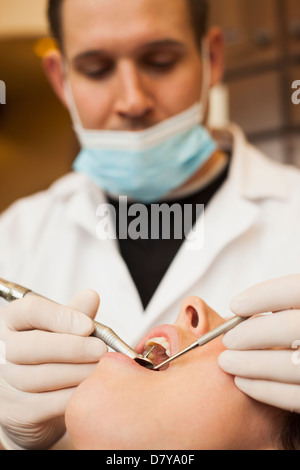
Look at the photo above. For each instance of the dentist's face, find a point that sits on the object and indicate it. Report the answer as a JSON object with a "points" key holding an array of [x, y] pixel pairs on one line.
{"points": [[191, 405], [132, 64]]}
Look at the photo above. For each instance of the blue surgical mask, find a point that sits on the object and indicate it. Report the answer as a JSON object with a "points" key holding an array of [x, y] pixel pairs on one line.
{"points": [[146, 165]]}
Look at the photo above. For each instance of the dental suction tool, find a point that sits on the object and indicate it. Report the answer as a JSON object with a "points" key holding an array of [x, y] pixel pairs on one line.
{"points": [[10, 292], [220, 330]]}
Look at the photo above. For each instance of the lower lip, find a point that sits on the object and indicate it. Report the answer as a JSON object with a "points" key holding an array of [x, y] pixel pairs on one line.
{"points": [[122, 360]]}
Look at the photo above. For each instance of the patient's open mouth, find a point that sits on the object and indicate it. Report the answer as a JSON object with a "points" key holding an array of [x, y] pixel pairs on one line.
{"points": [[164, 342], [159, 349]]}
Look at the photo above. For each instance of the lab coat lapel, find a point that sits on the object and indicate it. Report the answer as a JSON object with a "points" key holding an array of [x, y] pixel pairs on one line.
{"points": [[122, 306], [112, 270]]}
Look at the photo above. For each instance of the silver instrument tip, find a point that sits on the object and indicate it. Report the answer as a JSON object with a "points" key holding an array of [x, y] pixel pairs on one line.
{"points": [[144, 362]]}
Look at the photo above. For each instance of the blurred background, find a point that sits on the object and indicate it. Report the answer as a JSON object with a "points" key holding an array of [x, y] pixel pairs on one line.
{"points": [[37, 144]]}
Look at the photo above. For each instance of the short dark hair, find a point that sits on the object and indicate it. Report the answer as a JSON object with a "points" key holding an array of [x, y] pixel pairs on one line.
{"points": [[198, 12], [55, 19], [290, 433]]}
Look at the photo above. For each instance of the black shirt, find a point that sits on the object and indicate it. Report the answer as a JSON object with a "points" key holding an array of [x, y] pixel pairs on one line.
{"points": [[149, 257]]}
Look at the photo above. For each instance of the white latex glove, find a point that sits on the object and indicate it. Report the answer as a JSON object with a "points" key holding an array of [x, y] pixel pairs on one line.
{"points": [[269, 376], [48, 352]]}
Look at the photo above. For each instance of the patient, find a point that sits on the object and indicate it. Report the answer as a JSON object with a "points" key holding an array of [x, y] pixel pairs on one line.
{"points": [[192, 405]]}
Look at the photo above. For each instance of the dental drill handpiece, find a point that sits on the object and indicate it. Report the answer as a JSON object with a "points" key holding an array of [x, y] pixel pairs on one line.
{"points": [[10, 292]]}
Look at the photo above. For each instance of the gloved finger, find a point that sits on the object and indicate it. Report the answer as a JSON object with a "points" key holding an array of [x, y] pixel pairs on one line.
{"points": [[86, 302], [40, 347], [45, 377], [280, 330], [35, 436], [279, 395], [34, 312], [59, 398], [279, 366], [270, 296]]}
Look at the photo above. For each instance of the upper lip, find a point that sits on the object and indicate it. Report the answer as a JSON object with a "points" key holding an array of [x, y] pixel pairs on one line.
{"points": [[165, 331]]}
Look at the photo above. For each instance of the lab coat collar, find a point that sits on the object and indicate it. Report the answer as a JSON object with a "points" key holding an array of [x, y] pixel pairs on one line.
{"points": [[82, 203], [249, 167]]}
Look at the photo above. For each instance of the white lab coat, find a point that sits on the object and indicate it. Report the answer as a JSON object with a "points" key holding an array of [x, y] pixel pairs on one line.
{"points": [[252, 233]]}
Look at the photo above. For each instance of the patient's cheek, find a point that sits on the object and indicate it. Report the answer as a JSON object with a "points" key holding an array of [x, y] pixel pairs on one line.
{"points": [[73, 417]]}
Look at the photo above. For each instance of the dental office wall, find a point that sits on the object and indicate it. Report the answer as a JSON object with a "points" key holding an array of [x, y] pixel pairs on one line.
{"points": [[37, 144], [36, 140]]}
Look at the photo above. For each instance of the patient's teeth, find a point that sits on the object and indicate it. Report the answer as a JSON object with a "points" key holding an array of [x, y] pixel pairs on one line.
{"points": [[161, 342]]}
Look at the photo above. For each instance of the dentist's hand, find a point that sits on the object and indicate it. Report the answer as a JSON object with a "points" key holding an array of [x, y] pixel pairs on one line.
{"points": [[48, 352], [269, 375]]}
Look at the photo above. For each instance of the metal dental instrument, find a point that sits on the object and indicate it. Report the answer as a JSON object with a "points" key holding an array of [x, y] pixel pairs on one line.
{"points": [[10, 292], [220, 330]]}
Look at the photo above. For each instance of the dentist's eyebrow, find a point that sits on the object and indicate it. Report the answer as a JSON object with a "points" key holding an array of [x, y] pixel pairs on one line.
{"points": [[153, 44], [173, 43]]}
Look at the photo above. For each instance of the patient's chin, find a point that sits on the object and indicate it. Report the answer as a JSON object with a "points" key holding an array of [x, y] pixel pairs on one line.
{"points": [[78, 417], [73, 420]]}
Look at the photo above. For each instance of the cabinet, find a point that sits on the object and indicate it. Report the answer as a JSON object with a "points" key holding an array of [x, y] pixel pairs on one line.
{"points": [[293, 25], [250, 29], [262, 43]]}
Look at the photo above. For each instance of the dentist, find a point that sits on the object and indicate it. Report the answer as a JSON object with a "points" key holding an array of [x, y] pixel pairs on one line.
{"points": [[135, 77]]}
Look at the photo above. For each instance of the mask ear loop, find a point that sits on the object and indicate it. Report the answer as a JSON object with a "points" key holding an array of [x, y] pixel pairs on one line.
{"points": [[206, 78], [77, 124]]}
